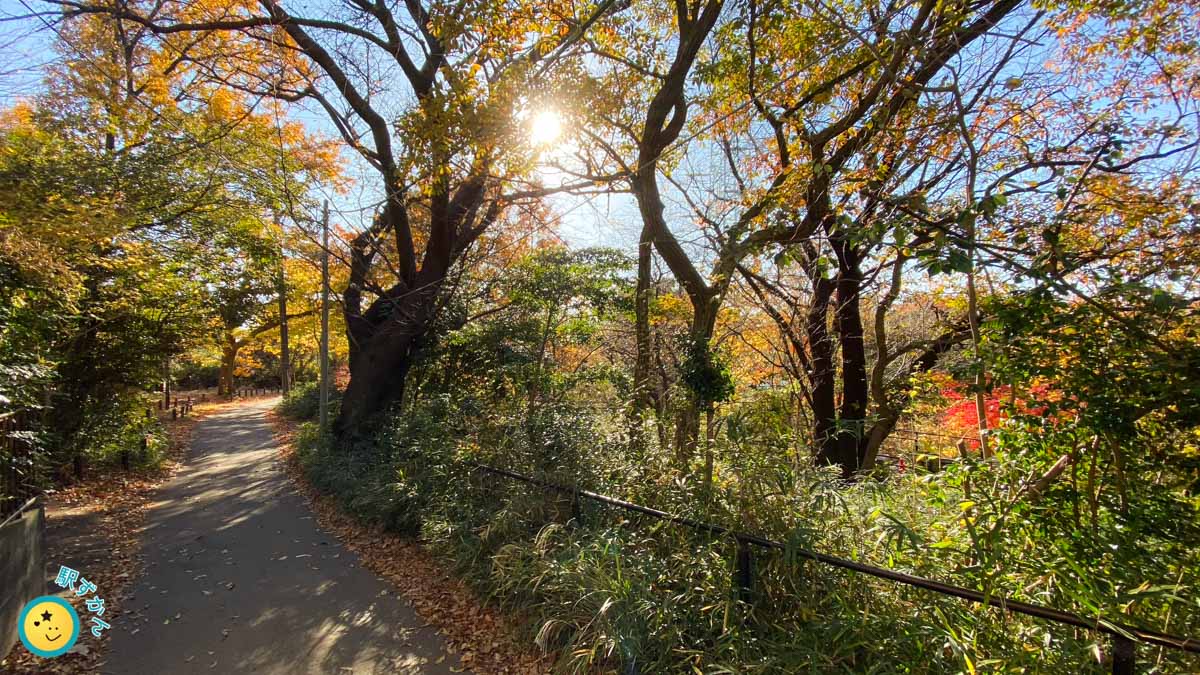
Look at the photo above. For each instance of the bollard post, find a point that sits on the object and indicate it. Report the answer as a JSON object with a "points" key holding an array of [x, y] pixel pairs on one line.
{"points": [[743, 574], [1124, 655], [174, 413]]}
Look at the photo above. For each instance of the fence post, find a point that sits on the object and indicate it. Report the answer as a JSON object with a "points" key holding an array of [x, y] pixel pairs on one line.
{"points": [[1124, 655], [174, 413], [743, 574]]}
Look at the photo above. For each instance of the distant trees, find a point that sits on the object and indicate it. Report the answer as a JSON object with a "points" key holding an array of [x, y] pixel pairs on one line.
{"points": [[442, 159], [822, 164], [123, 182]]}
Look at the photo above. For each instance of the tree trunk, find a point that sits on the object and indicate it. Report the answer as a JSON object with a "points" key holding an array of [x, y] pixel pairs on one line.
{"points": [[852, 418], [229, 352], [379, 365], [385, 338], [874, 439], [376, 381], [285, 361], [823, 374], [642, 391], [687, 428], [980, 376]]}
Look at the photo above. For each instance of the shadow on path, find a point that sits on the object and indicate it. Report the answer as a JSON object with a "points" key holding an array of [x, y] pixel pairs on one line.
{"points": [[239, 579]]}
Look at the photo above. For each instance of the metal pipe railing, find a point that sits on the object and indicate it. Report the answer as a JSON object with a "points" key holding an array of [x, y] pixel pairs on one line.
{"points": [[1124, 636]]}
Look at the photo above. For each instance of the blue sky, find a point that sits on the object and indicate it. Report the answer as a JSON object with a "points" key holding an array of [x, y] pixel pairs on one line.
{"points": [[26, 48]]}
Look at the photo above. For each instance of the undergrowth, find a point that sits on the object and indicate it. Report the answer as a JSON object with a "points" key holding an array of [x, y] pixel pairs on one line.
{"points": [[611, 591]]}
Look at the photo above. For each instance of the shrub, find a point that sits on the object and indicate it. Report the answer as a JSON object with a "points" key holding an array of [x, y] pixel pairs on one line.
{"points": [[303, 401], [609, 591]]}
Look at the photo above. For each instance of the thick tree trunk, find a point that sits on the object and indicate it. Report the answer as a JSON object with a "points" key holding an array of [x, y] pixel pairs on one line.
{"points": [[229, 353], [852, 432], [384, 339], [376, 381], [666, 116], [379, 365]]}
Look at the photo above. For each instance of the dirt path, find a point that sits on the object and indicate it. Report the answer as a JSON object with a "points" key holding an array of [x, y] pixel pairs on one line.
{"points": [[238, 577]]}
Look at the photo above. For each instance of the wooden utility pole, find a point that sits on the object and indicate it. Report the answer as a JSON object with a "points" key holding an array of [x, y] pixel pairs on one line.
{"points": [[285, 365], [325, 316]]}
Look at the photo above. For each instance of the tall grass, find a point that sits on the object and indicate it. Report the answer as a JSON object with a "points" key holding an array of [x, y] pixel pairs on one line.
{"points": [[609, 591]]}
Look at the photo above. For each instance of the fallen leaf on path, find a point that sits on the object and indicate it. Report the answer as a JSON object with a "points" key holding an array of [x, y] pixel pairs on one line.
{"points": [[467, 623]]}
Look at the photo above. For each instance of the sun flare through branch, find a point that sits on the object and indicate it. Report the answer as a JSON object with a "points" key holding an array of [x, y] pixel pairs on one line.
{"points": [[545, 127]]}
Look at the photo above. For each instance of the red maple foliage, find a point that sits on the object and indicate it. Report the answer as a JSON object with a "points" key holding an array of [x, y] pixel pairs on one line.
{"points": [[960, 415]]}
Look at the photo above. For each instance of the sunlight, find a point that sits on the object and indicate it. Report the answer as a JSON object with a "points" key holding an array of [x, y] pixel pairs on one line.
{"points": [[545, 127]]}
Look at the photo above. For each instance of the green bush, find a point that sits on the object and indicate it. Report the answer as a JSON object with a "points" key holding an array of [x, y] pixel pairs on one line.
{"points": [[386, 481], [122, 427], [611, 591], [303, 402]]}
